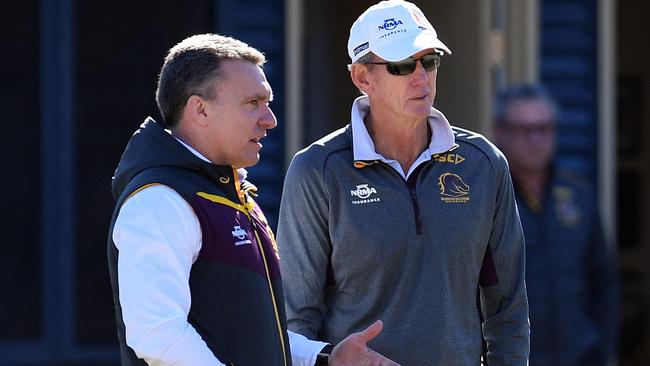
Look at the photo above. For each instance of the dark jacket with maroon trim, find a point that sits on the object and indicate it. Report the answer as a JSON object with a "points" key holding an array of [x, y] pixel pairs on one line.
{"points": [[237, 301]]}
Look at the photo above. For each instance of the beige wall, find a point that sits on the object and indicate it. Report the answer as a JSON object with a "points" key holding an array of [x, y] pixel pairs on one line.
{"points": [[463, 78]]}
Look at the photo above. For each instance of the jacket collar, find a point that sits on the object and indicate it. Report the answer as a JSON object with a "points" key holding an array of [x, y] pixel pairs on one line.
{"points": [[442, 137]]}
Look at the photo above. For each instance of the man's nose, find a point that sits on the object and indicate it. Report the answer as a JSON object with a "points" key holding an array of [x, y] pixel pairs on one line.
{"points": [[420, 75], [268, 119]]}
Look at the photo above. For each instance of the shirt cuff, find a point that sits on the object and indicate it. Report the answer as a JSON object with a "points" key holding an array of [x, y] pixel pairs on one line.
{"points": [[303, 350]]}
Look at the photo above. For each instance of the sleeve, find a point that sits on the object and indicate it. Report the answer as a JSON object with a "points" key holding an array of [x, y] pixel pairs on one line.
{"points": [[504, 303], [304, 245], [603, 291], [303, 350], [159, 237]]}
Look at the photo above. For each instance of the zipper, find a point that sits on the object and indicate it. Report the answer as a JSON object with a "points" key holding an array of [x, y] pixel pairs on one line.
{"points": [[413, 194], [266, 266], [268, 279], [416, 210]]}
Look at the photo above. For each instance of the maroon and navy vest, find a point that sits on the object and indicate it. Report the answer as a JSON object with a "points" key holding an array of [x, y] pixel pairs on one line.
{"points": [[237, 300]]}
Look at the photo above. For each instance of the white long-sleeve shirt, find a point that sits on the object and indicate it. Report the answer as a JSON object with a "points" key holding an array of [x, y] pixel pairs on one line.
{"points": [[159, 237]]}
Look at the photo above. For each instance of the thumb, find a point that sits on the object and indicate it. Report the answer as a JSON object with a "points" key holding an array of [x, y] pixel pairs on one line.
{"points": [[371, 332]]}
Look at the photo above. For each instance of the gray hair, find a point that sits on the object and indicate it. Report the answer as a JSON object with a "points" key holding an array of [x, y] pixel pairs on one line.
{"points": [[363, 60], [192, 68], [514, 93], [368, 57]]}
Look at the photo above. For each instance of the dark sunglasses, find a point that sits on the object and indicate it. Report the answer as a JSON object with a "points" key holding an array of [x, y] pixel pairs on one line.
{"points": [[429, 61]]}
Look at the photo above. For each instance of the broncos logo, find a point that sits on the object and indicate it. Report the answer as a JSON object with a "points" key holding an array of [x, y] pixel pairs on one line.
{"points": [[451, 185]]}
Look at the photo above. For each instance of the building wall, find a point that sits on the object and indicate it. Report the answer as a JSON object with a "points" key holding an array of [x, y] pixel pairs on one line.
{"points": [[78, 78], [633, 160], [328, 92]]}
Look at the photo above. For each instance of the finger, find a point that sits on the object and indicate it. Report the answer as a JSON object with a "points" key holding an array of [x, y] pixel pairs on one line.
{"points": [[371, 332]]}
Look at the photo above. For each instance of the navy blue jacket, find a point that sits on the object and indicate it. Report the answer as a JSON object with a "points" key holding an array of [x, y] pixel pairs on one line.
{"points": [[570, 275]]}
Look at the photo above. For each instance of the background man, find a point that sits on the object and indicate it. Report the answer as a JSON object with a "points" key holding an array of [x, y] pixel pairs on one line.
{"points": [[193, 263], [400, 216], [570, 273]]}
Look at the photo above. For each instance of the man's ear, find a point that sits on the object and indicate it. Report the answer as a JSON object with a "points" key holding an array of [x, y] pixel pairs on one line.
{"points": [[359, 74], [195, 109]]}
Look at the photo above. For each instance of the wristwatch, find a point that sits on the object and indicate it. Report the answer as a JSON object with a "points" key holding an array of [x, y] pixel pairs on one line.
{"points": [[323, 357]]}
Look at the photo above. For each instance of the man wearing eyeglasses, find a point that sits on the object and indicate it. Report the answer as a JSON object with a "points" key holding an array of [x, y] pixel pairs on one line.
{"points": [[570, 273], [401, 217]]}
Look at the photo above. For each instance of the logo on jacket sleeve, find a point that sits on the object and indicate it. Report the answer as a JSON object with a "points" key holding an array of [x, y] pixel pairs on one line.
{"points": [[240, 234], [452, 188], [364, 192]]}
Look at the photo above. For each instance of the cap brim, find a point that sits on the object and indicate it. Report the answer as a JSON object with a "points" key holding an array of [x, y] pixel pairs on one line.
{"points": [[409, 45]]}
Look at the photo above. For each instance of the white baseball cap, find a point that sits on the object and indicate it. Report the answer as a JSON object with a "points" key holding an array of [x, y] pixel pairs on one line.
{"points": [[393, 30]]}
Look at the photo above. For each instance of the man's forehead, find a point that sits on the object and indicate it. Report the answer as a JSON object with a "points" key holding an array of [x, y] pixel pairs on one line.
{"points": [[239, 73], [413, 56], [530, 111]]}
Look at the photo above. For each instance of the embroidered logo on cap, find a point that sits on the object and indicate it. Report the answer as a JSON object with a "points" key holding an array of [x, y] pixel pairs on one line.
{"points": [[422, 22], [361, 48], [390, 24]]}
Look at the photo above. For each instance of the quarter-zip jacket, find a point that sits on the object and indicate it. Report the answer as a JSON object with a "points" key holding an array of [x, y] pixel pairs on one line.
{"points": [[369, 244], [236, 293]]}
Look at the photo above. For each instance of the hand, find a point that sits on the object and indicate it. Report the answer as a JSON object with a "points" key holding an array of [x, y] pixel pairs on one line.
{"points": [[353, 350]]}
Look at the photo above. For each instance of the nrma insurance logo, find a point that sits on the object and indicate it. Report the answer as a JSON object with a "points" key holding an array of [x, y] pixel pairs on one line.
{"points": [[453, 189], [363, 194], [240, 234], [390, 24]]}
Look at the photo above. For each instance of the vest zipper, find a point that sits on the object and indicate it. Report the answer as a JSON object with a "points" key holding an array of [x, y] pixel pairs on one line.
{"points": [[266, 266], [268, 279]]}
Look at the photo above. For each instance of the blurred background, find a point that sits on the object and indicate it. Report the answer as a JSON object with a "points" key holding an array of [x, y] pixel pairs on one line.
{"points": [[78, 77]]}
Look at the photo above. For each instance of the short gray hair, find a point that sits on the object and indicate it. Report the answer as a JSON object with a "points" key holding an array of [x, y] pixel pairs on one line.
{"points": [[525, 91]]}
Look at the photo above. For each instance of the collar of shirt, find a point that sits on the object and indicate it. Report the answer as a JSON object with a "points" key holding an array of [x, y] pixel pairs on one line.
{"points": [[241, 172], [442, 137]]}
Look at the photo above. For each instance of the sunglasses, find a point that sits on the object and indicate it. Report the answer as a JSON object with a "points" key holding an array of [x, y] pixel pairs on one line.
{"points": [[429, 62]]}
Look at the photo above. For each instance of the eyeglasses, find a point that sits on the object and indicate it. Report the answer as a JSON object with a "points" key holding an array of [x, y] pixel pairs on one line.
{"points": [[545, 128], [429, 62]]}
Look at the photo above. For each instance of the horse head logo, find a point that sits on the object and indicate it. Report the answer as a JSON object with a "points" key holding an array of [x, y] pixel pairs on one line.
{"points": [[451, 185]]}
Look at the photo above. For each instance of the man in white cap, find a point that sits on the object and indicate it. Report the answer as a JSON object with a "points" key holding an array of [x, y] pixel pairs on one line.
{"points": [[401, 217]]}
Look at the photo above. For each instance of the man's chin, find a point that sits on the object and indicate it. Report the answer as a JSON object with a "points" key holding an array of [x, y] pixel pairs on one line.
{"points": [[248, 163]]}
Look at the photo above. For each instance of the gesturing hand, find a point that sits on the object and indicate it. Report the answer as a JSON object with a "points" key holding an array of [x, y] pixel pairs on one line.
{"points": [[353, 350]]}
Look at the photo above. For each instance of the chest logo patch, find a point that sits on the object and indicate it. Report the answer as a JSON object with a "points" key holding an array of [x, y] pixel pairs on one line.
{"points": [[364, 194], [453, 189], [240, 234], [449, 158], [568, 212]]}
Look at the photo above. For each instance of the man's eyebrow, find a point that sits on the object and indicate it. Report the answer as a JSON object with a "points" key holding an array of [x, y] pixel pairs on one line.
{"points": [[259, 96]]}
